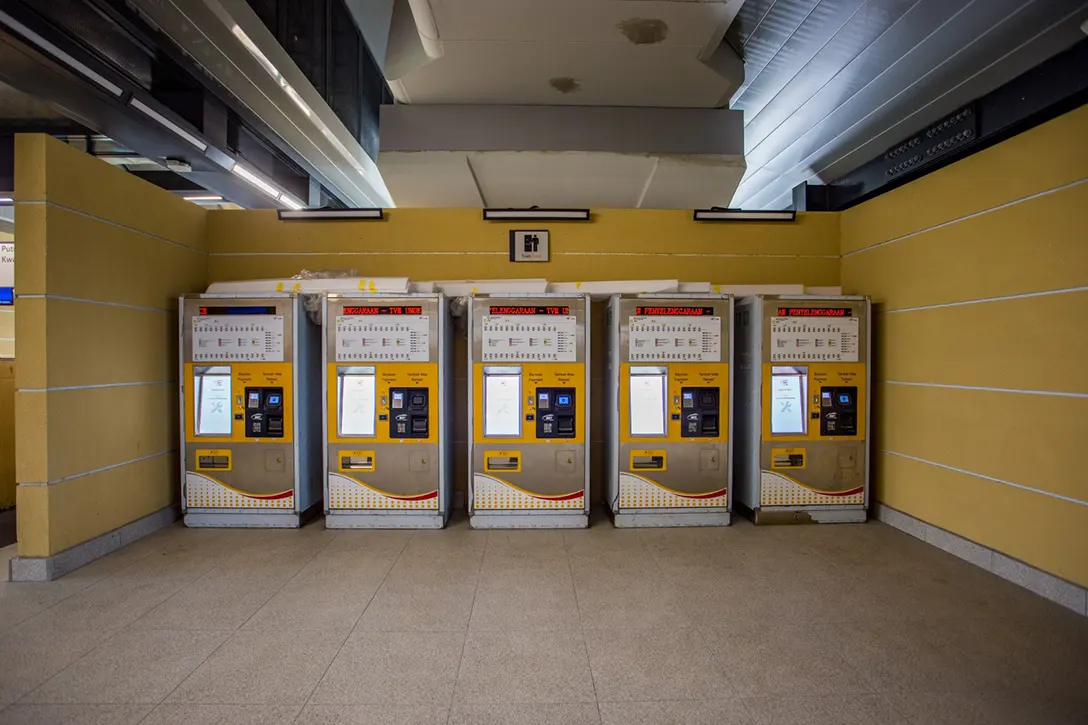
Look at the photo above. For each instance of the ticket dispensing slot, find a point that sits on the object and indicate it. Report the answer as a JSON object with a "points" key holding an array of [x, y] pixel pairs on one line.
{"points": [[700, 411], [648, 461], [212, 396], [839, 410], [555, 412], [507, 461], [357, 461], [502, 402], [213, 460], [356, 396]]}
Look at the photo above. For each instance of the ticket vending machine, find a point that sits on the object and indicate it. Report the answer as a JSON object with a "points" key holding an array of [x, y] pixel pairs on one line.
{"points": [[387, 411], [529, 414], [802, 428], [250, 386], [670, 408]]}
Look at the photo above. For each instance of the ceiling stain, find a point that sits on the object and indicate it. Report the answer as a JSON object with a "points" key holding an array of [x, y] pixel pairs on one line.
{"points": [[644, 31], [565, 84]]}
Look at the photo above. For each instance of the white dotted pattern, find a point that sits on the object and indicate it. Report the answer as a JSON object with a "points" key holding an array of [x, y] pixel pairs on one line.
{"points": [[636, 492], [202, 492], [777, 490], [347, 493], [494, 495]]}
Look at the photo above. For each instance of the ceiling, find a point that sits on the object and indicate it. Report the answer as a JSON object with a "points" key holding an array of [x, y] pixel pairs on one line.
{"points": [[572, 52], [829, 84]]}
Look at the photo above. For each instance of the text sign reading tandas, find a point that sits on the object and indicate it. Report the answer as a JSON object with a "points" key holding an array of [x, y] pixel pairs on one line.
{"points": [[815, 312], [529, 310], [675, 311]]}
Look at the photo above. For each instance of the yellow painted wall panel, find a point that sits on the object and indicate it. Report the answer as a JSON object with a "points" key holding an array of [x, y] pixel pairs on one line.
{"points": [[7, 435], [74, 179], [95, 260], [1043, 531], [1026, 343], [1032, 440], [82, 508], [94, 344], [1035, 246], [30, 271], [30, 327], [463, 230], [32, 522], [1045, 157], [92, 428]]}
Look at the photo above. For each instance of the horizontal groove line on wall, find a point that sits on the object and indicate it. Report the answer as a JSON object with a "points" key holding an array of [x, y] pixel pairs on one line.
{"points": [[981, 388], [116, 224], [1002, 481], [93, 471], [697, 254], [66, 298], [950, 222], [62, 388], [392, 253], [984, 300]]}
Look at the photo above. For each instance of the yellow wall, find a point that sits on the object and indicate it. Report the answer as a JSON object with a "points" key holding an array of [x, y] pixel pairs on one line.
{"points": [[979, 273], [7, 434], [427, 244], [102, 258]]}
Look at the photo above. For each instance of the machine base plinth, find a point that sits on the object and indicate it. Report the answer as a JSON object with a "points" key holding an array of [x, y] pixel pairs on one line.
{"points": [[661, 519], [765, 516], [244, 519], [528, 520], [384, 520]]}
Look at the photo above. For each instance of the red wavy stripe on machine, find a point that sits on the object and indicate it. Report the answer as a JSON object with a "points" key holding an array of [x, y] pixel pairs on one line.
{"points": [[712, 494], [564, 497], [269, 497], [851, 492], [417, 497]]}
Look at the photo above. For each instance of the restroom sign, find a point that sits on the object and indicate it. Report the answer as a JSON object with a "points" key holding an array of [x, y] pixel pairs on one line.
{"points": [[528, 246]]}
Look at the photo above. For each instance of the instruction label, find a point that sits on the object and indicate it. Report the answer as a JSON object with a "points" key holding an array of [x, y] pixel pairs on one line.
{"points": [[383, 338], [524, 338], [237, 338], [814, 339], [674, 339]]}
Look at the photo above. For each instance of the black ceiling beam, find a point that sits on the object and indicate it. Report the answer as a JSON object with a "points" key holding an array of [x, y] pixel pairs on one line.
{"points": [[1048, 90]]}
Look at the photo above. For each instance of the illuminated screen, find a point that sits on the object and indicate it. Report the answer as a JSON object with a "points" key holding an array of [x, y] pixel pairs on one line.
{"points": [[357, 405], [677, 311], [815, 312], [789, 394], [502, 405], [213, 409], [648, 405], [246, 310], [529, 310], [383, 310]]}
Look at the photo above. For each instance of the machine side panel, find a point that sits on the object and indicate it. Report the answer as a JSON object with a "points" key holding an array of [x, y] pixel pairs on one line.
{"points": [[308, 380]]}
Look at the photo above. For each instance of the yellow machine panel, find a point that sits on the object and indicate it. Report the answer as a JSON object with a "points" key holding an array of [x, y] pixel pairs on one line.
{"points": [[243, 375], [534, 376]]}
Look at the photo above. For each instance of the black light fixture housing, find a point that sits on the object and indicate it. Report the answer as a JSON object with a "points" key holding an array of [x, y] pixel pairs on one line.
{"points": [[536, 215], [715, 214], [332, 215]]}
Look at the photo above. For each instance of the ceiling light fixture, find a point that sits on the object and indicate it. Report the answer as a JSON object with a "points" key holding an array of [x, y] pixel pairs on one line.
{"points": [[331, 214], [60, 55], [534, 214], [741, 215], [256, 181], [208, 197], [6, 200], [290, 202], [153, 114]]}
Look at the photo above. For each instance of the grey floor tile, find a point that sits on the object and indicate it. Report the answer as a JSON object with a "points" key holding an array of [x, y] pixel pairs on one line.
{"points": [[217, 601], [528, 594], [368, 542], [840, 709], [112, 603], [417, 604], [133, 666], [676, 712], [571, 713], [372, 715], [524, 667], [192, 714], [783, 660], [395, 668], [73, 714], [260, 667], [659, 664], [20, 601], [35, 651], [628, 600], [987, 707], [527, 543]]}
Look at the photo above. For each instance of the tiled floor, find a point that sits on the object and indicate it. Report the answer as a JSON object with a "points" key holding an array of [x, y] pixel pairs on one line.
{"points": [[819, 624]]}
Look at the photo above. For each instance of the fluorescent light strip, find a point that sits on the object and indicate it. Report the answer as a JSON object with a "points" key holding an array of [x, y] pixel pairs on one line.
{"points": [[6, 200], [739, 215], [516, 214], [152, 113], [256, 181], [203, 198], [290, 202], [60, 54], [312, 214]]}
